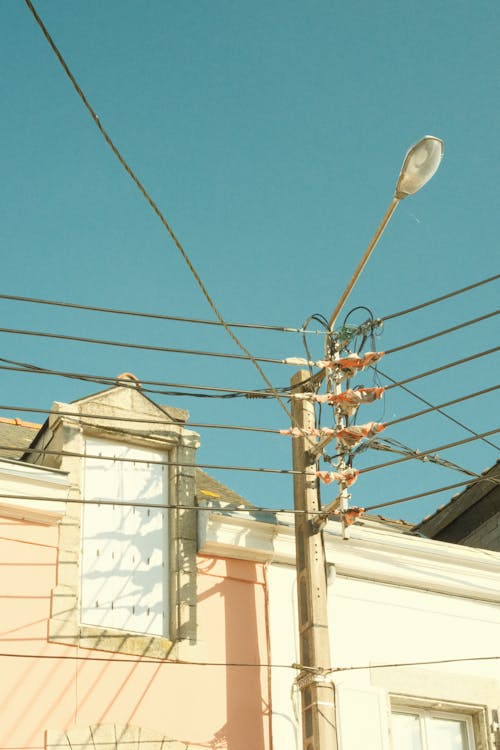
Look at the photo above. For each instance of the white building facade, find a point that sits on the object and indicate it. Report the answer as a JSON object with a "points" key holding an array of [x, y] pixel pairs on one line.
{"points": [[414, 628]]}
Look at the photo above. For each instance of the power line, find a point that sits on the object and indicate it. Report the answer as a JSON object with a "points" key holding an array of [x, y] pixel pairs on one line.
{"points": [[250, 510], [129, 345], [419, 495], [113, 381], [440, 299], [226, 392], [415, 663], [72, 454], [441, 406], [421, 455], [440, 333], [254, 665], [222, 355], [447, 366], [437, 408], [157, 316], [151, 202], [157, 422]]}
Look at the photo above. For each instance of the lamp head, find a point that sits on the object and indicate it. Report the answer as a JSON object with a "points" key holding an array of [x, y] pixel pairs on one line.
{"points": [[420, 164]]}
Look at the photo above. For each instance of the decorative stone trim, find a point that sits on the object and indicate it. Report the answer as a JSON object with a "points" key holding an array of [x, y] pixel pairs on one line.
{"points": [[67, 433], [369, 554]]}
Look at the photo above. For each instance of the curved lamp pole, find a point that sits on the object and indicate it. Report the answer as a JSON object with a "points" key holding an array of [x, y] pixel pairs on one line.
{"points": [[420, 164]]}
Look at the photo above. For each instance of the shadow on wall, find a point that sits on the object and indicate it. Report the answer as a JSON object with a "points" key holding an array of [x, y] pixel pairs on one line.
{"points": [[246, 687]]}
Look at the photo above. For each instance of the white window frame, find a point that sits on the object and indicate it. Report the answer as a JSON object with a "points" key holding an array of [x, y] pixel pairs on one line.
{"points": [[476, 716], [65, 623], [426, 715]]}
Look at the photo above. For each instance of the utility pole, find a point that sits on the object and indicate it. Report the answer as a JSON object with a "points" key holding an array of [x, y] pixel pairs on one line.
{"points": [[317, 691]]}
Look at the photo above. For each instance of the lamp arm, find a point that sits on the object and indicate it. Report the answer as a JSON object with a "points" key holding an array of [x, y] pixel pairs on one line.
{"points": [[363, 262]]}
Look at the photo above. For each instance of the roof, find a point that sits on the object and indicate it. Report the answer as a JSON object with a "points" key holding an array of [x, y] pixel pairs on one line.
{"points": [[16, 436], [208, 488], [466, 510]]}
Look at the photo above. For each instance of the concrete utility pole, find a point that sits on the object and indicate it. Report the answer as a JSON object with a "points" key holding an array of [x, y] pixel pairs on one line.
{"points": [[317, 692]]}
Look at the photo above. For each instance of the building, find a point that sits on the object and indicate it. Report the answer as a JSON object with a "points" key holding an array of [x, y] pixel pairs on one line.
{"points": [[472, 517], [146, 604], [115, 631], [412, 624]]}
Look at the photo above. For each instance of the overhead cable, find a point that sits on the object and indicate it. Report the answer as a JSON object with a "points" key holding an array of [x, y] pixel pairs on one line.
{"points": [[394, 446], [447, 366], [151, 202], [113, 381], [120, 659], [157, 422], [441, 298], [440, 333], [158, 316], [74, 454], [421, 455], [420, 495], [254, 510], [130, 345], [439, 409], [226, 392], [442, 406]]}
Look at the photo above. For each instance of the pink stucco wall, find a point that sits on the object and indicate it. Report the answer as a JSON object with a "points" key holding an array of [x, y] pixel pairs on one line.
{"points": [[204, 706]]}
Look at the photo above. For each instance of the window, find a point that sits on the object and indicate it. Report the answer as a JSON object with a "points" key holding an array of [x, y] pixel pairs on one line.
{"points": [[422, 729], [124, 569], [126, 576]]}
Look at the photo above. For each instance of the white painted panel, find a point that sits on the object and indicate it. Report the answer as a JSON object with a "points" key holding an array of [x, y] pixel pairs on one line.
{"points": [[361, 718], [124, 549], [283, 625]]}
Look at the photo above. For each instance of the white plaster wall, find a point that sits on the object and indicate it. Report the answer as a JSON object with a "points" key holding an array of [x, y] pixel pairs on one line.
{"points": [[377, 623]]}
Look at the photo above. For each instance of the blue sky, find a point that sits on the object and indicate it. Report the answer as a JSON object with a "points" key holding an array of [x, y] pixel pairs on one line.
{"points": [[271, 135]]}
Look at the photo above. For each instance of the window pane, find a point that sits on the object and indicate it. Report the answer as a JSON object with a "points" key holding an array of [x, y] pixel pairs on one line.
{"points": [[406, 733], [124, 548], [447, 734]]}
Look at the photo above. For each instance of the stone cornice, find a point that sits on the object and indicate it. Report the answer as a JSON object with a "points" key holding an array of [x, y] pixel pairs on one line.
{"points": [[375, 555]]}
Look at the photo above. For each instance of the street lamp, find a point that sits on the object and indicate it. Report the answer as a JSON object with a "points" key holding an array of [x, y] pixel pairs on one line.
{"points": [[316, 689], [420, 164]]}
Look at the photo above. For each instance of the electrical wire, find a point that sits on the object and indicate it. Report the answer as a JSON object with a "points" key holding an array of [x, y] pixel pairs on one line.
{"points": [[421, 455], [157, 316], [439, 333], [394, 446], [114, 381], [225, 392], [253, 510], [254, 665], [441, 298], [152, 204], [441, 406], [437, 408], [447, 366], [420, 495], [142, 347], [413, 663], [73, 454], [139, 420]]}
